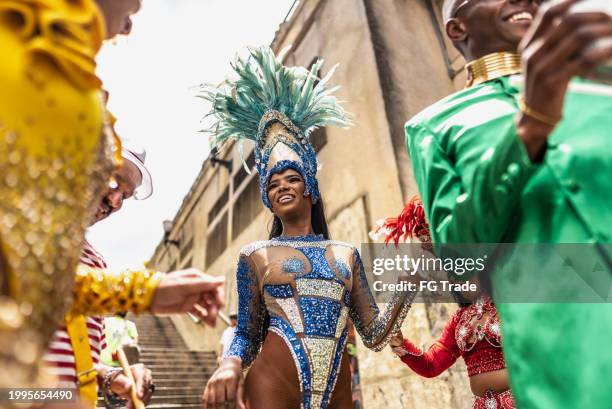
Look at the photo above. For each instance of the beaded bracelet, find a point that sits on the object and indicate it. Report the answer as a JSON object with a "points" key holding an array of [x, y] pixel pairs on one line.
{"points": [[111, 399]]}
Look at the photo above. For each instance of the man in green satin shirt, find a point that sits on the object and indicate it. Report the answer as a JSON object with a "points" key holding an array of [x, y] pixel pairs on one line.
{"points": [[499, 164]]}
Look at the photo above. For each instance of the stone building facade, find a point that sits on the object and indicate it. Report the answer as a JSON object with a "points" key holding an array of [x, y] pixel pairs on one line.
{"points": [[394, 61]]}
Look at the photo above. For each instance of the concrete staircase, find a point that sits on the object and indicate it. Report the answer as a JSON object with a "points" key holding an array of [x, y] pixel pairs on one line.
{"points": [[178, 373]]}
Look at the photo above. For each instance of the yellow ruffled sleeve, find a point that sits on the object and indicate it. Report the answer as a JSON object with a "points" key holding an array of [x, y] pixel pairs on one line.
{"points": [[100, 291]]}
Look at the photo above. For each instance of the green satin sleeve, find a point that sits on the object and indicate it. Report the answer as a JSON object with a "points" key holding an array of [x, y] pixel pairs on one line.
{"points": [[476, 208]]}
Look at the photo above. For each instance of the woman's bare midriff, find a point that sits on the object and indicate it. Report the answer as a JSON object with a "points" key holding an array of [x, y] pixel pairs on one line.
{"points": [[496, 381], [273, 383]]}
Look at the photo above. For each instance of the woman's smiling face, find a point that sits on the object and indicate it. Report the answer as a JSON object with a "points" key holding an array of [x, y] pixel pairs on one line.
{"points": [[286, 193]]}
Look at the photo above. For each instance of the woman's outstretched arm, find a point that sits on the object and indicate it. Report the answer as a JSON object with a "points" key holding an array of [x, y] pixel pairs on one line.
{"points": [[437, 359], [375, 327]]}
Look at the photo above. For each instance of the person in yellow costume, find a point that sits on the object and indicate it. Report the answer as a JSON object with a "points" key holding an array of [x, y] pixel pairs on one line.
{"points": [[55, 162]]}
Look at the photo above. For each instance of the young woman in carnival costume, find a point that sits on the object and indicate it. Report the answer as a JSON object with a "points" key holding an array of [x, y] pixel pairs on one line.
{"points": [[297, 289], [473, 332]]}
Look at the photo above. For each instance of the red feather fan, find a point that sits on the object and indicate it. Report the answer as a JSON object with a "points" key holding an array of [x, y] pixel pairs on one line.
{"points": [[411, 222]]}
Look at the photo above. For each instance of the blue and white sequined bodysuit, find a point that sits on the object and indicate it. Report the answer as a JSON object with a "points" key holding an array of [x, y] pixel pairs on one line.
{"points": [[309, 286]]}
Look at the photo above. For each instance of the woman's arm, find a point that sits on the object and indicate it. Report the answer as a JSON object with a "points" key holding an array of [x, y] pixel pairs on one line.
{"points": [[99, 291], [375, 327], [437, 359], [251, 312], [226, 385]]}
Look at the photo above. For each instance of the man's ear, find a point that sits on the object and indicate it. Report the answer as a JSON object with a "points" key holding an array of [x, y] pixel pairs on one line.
{"points": [[456, 31]]}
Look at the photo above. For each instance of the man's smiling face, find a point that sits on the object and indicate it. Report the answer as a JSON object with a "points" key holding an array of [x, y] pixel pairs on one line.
{"points": [[126, 180], [482, 27]]}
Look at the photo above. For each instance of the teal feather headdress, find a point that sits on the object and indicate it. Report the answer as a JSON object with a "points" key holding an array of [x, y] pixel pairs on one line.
{"points": [[267, 92]]}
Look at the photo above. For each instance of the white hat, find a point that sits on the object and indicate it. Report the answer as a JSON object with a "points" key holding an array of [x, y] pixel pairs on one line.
{"points": [[137, 157]]}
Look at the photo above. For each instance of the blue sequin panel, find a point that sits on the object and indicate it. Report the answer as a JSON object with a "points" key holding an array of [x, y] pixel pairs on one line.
{"points": [[294, 265], [320, 316], [248, 338], [279, 290], [311, 238], [299, 354], [343, 269], [320, 266], [347, 299]]}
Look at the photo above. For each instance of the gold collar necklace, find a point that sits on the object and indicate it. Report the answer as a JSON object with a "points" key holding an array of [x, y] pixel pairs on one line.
{"points": [[492, 66]]}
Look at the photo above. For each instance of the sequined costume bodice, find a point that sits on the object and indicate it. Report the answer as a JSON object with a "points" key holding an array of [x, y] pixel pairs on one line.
{"points": [[309, 287], [473, 332], [478, 337]]}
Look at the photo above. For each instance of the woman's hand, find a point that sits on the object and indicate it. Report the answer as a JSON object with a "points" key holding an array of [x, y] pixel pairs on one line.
{"points": [[397, 340], [226, 387], [397, 344], [121, 385], [144, 383]]}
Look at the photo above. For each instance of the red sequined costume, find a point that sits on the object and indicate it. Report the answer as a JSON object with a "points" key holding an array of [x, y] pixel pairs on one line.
{"points": [[473, 332]]}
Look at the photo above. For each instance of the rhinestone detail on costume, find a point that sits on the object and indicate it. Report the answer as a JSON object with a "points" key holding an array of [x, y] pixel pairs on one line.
{"points": [[320, 316], [342, 321], [320, 351], [320, 288], [491, 403], [290, 309], [279, 291], [343, 269], [294, 266]]}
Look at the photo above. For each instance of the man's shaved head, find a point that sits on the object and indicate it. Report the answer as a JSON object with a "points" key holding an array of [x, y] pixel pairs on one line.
{"points": [[448, 9]]}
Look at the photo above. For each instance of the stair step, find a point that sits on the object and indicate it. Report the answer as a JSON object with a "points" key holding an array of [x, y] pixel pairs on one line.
{"points": [[180, 364], [153, 336], [168, 359], [180, 390], [180, 375], [177, 361], [177, 353], [152, 350], [177, 357], [177, 399], [185, 373], [182, 368], [162, 343], [165, 345], [178, 382], [161, 365]]}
